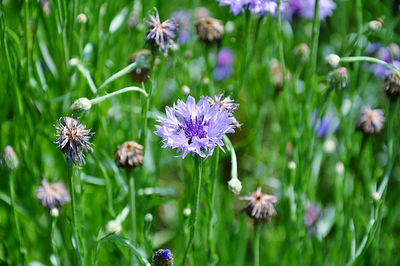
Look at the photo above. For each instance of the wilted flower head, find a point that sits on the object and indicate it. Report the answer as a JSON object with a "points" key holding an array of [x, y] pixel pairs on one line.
{"points": [[143, 59], [194, 127], [392, 85], [163, 257], [129, 155], [228, 104], [72, 138], [370, 120], [338, 78], [209, 30], [224, 66], [9, 159], [160, 34], [260, 206], [52, 195]]}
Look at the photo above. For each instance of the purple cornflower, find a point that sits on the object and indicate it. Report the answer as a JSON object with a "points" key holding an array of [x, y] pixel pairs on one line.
{"points": [[305, 8], [224, 64], [382, 71], [194, 127], [182, 19], [323, 125], [260, 7]]}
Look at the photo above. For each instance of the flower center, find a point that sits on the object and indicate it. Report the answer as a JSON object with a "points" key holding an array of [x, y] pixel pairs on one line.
{"points": [[194, 127]]}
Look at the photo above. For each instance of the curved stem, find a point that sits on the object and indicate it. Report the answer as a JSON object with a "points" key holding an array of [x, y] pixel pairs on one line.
{"points": [[351, 59], [195, 205], [120, 73], [256, 244], [53, 239], [105, 97]]}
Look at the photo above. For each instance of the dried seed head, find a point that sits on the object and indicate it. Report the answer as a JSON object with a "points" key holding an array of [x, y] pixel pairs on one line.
{"points": [[209, 30], [392, 85], [143, 59], [228, 104], [338, 78], [52, 195], [260, 206], [72, 138], [9, 159], [370, 120], [129, 155], [163, 257], [160, 34], [200, 13]]}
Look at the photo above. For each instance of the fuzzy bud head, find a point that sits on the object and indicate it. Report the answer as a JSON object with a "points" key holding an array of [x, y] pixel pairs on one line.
{"points": [[82, 18], [81, 105], [375, 25], [163, 257], [332, 60], [10, 159], [375, 196], [54, 212], [235, 186], [338, 78], [148, 217]]}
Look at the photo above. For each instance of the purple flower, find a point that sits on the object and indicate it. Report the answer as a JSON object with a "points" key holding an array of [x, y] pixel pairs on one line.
{"points": [[260, 7], [224, 64], [382, 71], [323, 125], [182, 18], [194, 127], [305, 8], [311, 217]]}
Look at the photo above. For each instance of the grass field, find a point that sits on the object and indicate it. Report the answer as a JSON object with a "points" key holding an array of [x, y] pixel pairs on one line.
{"points": [[316, 128]]}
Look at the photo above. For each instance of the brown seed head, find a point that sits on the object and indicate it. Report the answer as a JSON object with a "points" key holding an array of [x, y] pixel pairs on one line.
{"points": [[260, 206], [227, 103], [209, 30], [392, 86], [370, 120], [129, 155]]}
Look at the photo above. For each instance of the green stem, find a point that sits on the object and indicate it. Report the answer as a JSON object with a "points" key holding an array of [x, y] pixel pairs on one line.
{"points": [[280, 43], [314, 45], [244, 55], [71, 181], [213, 216], [53, 239], [17, 226], [228, 143], [120, 73], [102, 98], [256, 244], [368, 59], [195, 205], [132, 202], [85, 72], [27, 38]]}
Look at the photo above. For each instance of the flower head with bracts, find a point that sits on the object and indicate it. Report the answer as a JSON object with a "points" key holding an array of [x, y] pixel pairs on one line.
{"points": [[195, 128]]}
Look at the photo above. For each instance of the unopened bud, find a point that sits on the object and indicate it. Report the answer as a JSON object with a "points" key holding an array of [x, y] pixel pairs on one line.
{"points": [[54, 212], [80, 105], [10, 159], [82, 18], [303, 51], [375, 196], [148, 217], [338, 78], [235, 185], [332, 60], [187, 212], [375, 25]]}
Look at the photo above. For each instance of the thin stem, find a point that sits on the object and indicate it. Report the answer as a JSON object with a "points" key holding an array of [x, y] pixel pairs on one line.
{"points": [[352, 59], [17, 226], [53, 239], [85, 72], [71, 181], [105, 97], [195, 205], [132, 203], [256, 244], [120, 73], [244, 55], [280, 43], [314, 44]]}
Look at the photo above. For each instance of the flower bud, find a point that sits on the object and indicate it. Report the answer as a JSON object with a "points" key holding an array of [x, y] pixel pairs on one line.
{"points": [[375, 196], [163, 257], [54, 212], [375, 25], [114, 226], [82, 18], [10, 159], [235, 185], [338, 78], [148, 218], [81, 105], [187, 212], [302, 51], [332, 60]]}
